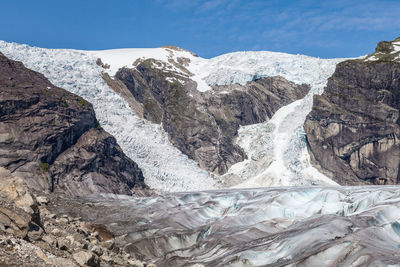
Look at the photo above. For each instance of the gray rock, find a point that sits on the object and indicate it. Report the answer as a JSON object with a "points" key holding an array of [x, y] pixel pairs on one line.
{"points": [[82, 231], [353, 130], [51, 138], [97, 250], [202, 125], [35, 232], [50, 240], [84, 258], [14, 220], [109, 244], [106, 259], [56, 232], [52, 216], [135, 263], [42, 200], [63, 243], [62, 220]]}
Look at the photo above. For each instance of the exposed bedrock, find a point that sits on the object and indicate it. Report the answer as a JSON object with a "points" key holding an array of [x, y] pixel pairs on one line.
{"points": [[353, 129], [203, 125], [51, 138]]}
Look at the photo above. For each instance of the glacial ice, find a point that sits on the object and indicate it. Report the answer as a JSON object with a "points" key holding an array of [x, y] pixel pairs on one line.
{"points": [[164, 167], [288, 226], [276, 149]]}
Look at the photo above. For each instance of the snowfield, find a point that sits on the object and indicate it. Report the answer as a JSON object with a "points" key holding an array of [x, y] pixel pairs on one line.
{"points": [[276, 149]]}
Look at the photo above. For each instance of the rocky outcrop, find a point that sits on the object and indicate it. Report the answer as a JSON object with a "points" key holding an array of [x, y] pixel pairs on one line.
{"points": [[353, 130], [51, 138], [31, 235], [203, 125]]}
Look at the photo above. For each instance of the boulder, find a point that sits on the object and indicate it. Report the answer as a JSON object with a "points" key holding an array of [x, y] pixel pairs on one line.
{"points": [[84, 258]]}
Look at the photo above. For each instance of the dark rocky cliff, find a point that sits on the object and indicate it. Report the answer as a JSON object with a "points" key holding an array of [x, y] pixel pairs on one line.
{"points": [[203, 125], [353, 129], [51, 138]]}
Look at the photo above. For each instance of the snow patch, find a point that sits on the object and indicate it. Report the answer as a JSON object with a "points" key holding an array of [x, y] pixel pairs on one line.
{"points": [[119, 58]]}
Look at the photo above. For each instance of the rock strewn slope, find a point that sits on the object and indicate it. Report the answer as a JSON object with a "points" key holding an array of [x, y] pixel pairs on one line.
{"points": [[353, 129], [32, 236], [203, 125], [52, 139]]}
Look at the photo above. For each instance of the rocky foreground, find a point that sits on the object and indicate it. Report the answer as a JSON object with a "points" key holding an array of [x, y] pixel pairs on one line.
{"points": [[31, 235], [353, 130]]}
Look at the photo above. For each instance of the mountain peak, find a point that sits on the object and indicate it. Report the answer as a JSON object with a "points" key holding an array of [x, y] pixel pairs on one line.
{"points": [[386, 51], [177, 48]]}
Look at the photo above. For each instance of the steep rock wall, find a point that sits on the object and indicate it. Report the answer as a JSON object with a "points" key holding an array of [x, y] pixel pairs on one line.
{"points": [[353, 129], [51, 138], [203, 125]]}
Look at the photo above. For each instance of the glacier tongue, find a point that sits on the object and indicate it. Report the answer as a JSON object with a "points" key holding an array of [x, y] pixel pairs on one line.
{"points": [[164, 166]]}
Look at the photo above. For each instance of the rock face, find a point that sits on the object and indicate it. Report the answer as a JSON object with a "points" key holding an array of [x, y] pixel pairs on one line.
{"points": [[203, 125], [51, 138], [353, 129]]}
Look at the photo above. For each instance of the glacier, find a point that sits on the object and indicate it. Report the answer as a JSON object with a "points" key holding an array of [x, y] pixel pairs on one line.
{"points": [[276, 149], [283, 225], [287, 161], [279, 226], [164, 167]]}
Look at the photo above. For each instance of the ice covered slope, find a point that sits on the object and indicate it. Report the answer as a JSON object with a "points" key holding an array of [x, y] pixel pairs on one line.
{"points": [[164, 166], [292, 226], [276, 149]]}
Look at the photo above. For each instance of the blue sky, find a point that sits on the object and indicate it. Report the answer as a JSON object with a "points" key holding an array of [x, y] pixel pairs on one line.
{"points": [[334, 28]]}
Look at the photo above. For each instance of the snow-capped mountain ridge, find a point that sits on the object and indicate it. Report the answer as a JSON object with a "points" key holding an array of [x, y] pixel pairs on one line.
{"points": [[165, 167]]}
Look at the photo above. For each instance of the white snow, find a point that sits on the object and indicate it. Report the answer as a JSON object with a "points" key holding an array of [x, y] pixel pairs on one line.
{"points": [[119, 58], [371, 58], [164, 166], [281, 158], [276, 149], [396, 46]]}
